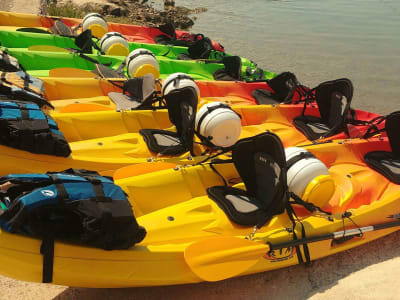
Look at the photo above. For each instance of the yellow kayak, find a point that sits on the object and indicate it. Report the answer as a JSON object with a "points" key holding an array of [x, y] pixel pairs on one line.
{"points": [[192, 239], [93, 93], [107, 140]]}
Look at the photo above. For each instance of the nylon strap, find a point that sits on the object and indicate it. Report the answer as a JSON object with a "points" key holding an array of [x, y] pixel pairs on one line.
{"points": [[302, 155]]}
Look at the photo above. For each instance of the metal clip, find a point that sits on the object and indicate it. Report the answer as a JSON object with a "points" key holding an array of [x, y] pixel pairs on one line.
{"points": [[251, 234]]}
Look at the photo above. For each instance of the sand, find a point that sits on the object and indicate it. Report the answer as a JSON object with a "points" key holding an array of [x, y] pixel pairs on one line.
{"points": [[367, 272]]}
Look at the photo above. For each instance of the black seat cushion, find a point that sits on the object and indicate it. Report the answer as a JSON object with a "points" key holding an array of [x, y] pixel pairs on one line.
{"points": [[260, 162], [163, 141], [385, 163], [182, 107], [239, 207], [312, 127], [388, 163], [333, 99], [263, 96]]}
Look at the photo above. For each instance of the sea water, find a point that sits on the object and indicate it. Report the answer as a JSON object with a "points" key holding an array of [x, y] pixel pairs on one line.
{"points": [[318, 40]]}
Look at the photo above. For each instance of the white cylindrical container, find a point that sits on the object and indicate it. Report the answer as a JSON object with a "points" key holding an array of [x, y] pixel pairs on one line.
{"points": [[179, 81], [138, 58], [303, 171], [96, 23], [219, 124], [114, 43]]}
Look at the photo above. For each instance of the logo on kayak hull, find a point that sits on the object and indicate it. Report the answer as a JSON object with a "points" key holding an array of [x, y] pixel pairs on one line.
{"points": [[280, 254]]}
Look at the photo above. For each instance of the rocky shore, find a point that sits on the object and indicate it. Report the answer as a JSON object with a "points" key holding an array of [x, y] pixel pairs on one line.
{"points": [[132, 11]]}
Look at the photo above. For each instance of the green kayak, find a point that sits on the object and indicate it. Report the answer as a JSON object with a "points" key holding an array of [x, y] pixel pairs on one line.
{"points": [[38, 63]]}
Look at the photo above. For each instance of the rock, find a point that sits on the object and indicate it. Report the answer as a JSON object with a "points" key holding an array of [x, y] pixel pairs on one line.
{"points": [[116, 12]]}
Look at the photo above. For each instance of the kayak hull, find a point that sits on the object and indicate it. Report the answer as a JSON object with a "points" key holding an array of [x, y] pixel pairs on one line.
{"points": [[160, 258]]}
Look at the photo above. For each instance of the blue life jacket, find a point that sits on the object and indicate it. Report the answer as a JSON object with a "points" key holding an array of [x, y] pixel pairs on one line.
{"points": [[24, 126], [73, 205]]}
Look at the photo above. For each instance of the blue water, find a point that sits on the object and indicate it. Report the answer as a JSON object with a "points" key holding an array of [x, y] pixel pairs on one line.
{"points": [[318, 40]]}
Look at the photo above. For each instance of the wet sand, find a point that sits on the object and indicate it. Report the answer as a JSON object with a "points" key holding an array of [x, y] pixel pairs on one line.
{"points": [[368, 272]]}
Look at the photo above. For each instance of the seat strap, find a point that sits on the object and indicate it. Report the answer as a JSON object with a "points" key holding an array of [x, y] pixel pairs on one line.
{"points": [[47, 246], [292, 216]]}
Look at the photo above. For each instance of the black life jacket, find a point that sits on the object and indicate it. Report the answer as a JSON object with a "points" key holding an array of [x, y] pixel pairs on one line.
{"points": [[74, 205], [24, 126]]}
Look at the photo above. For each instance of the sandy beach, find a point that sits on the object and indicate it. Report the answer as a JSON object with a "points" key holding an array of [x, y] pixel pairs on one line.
{"points": [[367, 272]]}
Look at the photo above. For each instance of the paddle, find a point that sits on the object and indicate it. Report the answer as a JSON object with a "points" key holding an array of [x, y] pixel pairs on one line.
{"points": [[84, 107], [71, 72], [220, 258], [140, 169], [48, 48]]}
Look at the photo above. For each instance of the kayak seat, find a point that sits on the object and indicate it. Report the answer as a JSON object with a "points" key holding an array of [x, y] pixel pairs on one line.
{"points": [[137, 93], [200, 49], [333, 99], [60, 28], [163, 141], [384, 162], [168, 35], [106, 72], [260, 162], [232, 70], [283, 88], [263, 97], [182, 107]]}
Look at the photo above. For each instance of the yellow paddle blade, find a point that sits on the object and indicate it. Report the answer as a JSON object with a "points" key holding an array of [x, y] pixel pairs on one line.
{"points": [[84, 107], [71, 72], [47, 48], [140, 169], [220, 258]]}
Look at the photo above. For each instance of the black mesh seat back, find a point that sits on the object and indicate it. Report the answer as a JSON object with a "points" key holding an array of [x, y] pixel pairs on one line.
{"points": [[168, 36], [182, 108], [333, 99], [61, 29], [261, 163], [168, 29], [140, 89], [84, 41], [392, 126], [106, 72], [284, 85], [232, 70], [201, 49]]}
